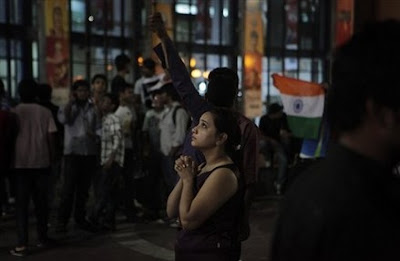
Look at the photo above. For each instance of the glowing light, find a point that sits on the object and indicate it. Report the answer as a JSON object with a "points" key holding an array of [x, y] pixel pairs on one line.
{"points": [[202, 88], [140, 60], [205, 74], [196, 73], [192, 62], [109, 67], [77, 78], [91, 18]]}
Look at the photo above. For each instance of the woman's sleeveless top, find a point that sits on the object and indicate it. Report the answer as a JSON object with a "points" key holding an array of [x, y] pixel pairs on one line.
{"points": [[220, 231]]}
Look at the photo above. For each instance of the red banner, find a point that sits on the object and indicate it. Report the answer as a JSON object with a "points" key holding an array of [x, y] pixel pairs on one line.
{"points": [[344, 21], [57, 43]]}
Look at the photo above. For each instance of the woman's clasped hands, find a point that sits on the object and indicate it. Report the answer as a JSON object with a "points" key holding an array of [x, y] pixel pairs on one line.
{"points": [[186, 167]]}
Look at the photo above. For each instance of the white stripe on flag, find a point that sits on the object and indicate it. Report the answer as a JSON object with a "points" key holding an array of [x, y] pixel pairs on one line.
{"points": [[303, 106]]}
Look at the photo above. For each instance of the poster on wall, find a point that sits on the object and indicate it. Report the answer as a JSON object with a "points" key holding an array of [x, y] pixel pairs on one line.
{"points": [[344, 21], [253, 53], [57, 48]]}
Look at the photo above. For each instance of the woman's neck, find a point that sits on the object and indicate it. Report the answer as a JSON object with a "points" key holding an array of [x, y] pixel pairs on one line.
{"points": [[214, 158]]}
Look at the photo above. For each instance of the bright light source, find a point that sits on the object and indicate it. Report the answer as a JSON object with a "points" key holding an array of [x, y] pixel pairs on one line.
{"points": [[205, 74], [91, 18], [202, 88], [109, 67], [225, 12], [192, 62], [140, 60], [196, 73]]}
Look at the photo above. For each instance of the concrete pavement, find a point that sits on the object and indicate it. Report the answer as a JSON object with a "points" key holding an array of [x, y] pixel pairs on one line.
{"points": [[144, 242]]}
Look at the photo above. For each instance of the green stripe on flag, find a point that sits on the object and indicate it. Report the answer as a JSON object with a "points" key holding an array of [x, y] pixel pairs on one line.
{"points": [[303, 127]]}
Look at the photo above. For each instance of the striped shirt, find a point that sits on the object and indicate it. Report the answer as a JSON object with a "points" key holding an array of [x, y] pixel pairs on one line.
{"points": [[112, 140]]}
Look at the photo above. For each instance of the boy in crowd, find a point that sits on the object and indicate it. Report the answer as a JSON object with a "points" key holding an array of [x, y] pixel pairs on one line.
{"points": [[111, 161]]}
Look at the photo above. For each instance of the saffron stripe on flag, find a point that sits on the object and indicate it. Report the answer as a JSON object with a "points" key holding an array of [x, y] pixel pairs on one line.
{"points": [[304, 127], [290, 86]]}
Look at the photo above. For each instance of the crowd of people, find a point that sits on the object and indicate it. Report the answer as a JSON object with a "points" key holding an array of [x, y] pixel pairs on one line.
{"points": [[199, 157]]}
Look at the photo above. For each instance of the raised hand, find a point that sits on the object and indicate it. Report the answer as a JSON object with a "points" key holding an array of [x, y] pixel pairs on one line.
{"points": [[157, 25]]}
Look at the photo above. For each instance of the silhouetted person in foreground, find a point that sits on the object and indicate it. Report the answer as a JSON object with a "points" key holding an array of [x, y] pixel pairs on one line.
{"points": [[347, 207]]}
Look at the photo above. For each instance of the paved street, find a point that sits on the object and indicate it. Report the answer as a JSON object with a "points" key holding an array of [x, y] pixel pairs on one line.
{"points": [[144, 242]]}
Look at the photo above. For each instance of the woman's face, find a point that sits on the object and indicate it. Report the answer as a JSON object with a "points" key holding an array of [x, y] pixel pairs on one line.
{"points": [[205, 134]]}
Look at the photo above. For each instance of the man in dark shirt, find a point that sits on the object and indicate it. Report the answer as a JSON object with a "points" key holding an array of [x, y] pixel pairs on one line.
{"points": [[276, 141], [347, 207], [122, 63]]}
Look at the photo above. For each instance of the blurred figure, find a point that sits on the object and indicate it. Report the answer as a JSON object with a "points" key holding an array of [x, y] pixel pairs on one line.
{"points": [[44, 96], [4, 103], [36, 129], [122, 63], [127, 116], [347, 206], [152, 157], [173, 127], [111, 161], [276, 141], [145, 84], [80, 122], [99, 88], [8, 132]]}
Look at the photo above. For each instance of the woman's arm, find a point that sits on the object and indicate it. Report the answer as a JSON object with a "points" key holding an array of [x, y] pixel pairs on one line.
{"points": [[173, 200]]}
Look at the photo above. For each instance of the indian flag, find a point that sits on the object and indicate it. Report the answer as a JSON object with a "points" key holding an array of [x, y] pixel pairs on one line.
{"points": [[303, 102]]}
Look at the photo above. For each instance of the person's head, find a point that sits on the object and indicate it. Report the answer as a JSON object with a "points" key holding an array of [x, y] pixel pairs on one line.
{"points": [[109, 103], [222, 87], [122, 62], [27, 90], [148, 67], [156, 102], [217, 128], [81, 90], [126, 94], [44, 92], [365, 90], [275, 111], [99, 84], [167, 93]]}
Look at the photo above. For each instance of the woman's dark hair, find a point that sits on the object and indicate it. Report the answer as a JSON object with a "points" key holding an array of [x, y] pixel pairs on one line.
{"points": [[226, 121]]}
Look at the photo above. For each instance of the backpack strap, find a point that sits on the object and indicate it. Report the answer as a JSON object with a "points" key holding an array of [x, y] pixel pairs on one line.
{"points": [[174, 113]]}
